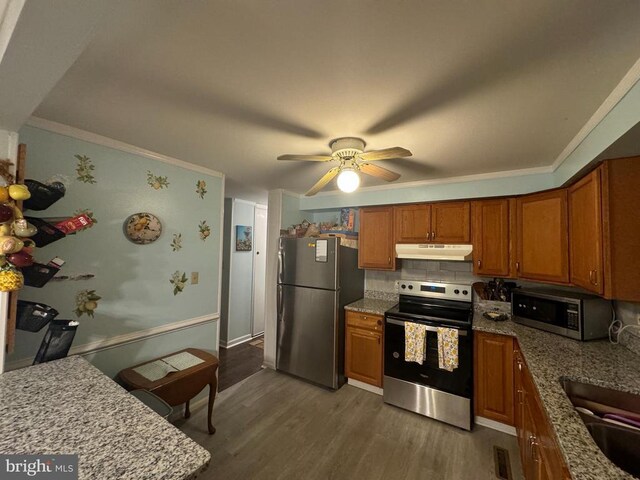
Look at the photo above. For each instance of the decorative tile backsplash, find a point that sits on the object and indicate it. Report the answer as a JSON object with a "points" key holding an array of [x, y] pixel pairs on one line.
{"points": [[426, 270], [628, 313]]}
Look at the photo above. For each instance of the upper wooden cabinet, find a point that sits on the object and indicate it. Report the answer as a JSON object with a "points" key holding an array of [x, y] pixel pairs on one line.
{"points": [[585, 232], [376, 242], [493, 377], [543, 239], [412, 223], [451, 222], [621, 228], [492, 239]]}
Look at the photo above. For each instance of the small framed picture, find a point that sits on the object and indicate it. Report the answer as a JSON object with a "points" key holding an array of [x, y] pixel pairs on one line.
{"points": [[244, 238]]}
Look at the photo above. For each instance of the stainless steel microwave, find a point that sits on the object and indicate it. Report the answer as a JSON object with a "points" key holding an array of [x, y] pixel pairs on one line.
{"points": [[574, 315]]}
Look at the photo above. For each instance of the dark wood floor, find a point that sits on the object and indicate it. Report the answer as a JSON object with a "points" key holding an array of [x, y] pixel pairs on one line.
{"points": [[274, 427], [239, 362]]}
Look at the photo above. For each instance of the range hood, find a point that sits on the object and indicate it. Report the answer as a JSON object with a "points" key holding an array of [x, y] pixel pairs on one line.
{"points": [[434, 251]]}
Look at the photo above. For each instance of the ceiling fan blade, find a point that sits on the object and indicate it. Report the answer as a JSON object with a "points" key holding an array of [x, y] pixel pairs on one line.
{"points": [[385, 154], [327, 177], [380, 172], [307, 158]]}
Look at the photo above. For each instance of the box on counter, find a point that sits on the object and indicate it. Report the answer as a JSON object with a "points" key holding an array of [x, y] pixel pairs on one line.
{"points": [[73, 224], [348, 218]]}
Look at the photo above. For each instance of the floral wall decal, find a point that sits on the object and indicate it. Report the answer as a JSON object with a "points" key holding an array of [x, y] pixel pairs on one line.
{"points": [[201, 188], [86, 302], [176, 243], [205, 230], [156, 182], [84, 169], [179, 281]]}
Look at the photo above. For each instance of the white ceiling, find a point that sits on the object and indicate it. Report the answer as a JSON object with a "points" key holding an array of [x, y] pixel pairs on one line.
{"points": [[468, 86]]}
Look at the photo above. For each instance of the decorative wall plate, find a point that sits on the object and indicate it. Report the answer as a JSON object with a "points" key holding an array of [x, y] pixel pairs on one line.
{"points": [[142, 228]]}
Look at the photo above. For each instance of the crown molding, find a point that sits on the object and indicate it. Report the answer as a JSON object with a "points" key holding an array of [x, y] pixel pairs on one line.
{"points": [[86, 136], [626, 84], [447, 180]]}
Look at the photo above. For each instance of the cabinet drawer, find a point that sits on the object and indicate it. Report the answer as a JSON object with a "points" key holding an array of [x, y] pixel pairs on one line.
{"points": [[364, 320]]}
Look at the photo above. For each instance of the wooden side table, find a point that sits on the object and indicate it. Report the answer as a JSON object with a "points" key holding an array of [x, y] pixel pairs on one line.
{"points": [[179, 387]]}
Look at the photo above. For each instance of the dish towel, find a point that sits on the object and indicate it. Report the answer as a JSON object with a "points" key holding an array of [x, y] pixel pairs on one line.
{"points": [[447, 348], [414, 342]]}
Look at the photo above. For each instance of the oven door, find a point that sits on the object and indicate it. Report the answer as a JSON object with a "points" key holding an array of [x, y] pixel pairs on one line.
{"points": [[459, 382]]}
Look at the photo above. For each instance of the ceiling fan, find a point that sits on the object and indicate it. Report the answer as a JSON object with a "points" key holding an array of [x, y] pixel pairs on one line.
{"points": [[349, 151]]}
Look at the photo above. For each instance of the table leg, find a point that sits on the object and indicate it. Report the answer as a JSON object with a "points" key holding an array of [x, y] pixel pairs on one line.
{"points": [[187, 412], [213, 386]]}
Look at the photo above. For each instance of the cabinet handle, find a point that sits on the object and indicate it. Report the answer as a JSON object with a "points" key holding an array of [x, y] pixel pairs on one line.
{"points": [[379, 322], [365, 317], [479, 263], [433, 236], [534, 449], [517, 266], [593, 277], [519, 365], [428, 236], [389, 260]]}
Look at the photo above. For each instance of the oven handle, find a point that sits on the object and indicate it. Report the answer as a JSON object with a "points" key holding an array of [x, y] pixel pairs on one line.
{"points": [[462, 333]]}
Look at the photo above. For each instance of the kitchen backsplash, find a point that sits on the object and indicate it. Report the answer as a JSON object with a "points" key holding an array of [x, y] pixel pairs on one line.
{"points": [[628, 313], [428, 270]]}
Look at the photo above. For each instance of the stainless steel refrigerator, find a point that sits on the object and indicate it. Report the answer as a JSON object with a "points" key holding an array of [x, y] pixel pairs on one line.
{"points": [[317, 277]]}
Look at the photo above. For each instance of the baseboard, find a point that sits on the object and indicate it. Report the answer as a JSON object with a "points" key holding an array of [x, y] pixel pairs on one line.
{"points": [[492, 424], [236, 341], [124, 339], [365, 386]]}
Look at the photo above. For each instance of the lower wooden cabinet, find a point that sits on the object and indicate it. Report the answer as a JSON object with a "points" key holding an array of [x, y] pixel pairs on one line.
{"points": [[493, 377], [539, 451], [363, 347]]}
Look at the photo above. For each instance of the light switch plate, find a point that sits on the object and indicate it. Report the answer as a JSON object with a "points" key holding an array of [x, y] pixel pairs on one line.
{"points": [[194, 278]]}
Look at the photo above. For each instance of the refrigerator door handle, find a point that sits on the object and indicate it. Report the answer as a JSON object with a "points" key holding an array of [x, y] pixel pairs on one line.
{"points": [[280, 304], [280, 262]]}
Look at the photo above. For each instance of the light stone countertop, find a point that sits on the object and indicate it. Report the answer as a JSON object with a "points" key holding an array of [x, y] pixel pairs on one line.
{"points": [[374, 306], [69, 407], [551, 357]]}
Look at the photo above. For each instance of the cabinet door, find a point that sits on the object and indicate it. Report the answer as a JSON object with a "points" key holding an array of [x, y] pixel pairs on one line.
{"points": [[412, 223], [585, 233], [451, 222], [363, 350], [376, 245], [494, 377], [491, 239], [519, 413], [543, 240]]}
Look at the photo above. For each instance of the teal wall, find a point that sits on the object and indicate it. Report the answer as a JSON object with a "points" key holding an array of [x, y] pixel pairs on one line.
{"points": [[133, 280], [291, 214], [616, 123]]}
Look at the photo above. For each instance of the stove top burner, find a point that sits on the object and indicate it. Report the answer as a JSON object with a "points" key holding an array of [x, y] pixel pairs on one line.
{"points": [[442, 303]]}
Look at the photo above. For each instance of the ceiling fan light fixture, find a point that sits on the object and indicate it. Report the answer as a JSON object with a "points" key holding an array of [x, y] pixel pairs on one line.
{"points": [[348, 180]]}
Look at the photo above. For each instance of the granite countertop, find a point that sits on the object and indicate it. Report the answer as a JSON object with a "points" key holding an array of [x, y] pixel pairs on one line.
{"points": [[70, 407], [374, 306], [551, 357]]}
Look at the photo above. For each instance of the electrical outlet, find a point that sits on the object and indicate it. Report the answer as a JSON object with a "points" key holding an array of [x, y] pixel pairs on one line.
{"points": [[194, 278]]}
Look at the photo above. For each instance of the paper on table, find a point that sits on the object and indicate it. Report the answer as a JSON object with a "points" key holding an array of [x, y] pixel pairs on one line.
{"points": [[183, 360], [161, 368], [155, 370]]}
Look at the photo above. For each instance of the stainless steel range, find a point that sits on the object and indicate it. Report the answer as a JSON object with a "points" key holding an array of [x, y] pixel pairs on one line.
{"points": [[427, 389]]}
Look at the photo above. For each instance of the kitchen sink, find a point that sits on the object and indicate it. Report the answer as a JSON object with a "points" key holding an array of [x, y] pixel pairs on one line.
{"points": [[621, 444]]}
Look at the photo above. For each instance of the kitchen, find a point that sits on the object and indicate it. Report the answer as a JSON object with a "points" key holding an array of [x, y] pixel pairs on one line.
{"points": [[451, 286]]}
